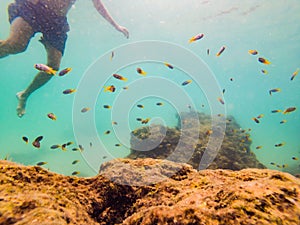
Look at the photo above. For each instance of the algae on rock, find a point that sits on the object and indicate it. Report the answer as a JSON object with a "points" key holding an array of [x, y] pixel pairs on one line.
{"points": [[233, 154]]}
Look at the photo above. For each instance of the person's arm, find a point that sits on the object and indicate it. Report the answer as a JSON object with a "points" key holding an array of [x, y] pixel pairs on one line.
{"points": [[103, 12]]}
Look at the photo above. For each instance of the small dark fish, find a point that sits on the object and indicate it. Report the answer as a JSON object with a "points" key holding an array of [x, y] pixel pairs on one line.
{"points": [[55, 146], [119, 77], [69, 91], [283, 121], [274, 90], [114, 123], [106, 106], [272, 163], [75, 149], [289, 110], [207, 51], [264, 61], [75, 161], [36, 143], [221, 101], [110, 88], [39, 138], [64, 71], [255, 120], [169, 65], [81, 148], [75, 173], [51, 116], [253, 52], [279, 145], [140, 106], [69, 143], [223, 91], [25, 139], [186, 82], [41, 163], [264, 71], [117, 145], [63, 147], [139, 119], [107, 132], [260, 116], [140, 71], [159, 104], [295, 74], [231, 79], [45, 68], [145, 121], [276, 111], [258, 147], [196, 38], [294, 158], [112, 55], [91, 144], [85, 109], [104, 157], [221, 51]]}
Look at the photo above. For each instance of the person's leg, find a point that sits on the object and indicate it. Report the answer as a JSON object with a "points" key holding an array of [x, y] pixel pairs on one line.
{"points": [[54, 58], [19, 37]]}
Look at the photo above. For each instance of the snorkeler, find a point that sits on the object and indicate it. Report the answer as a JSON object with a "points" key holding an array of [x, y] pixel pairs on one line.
{"points": [[28, 17]]}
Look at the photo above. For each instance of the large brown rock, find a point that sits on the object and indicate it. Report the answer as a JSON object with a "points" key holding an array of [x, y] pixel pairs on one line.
{"points": [[234, 152], [33, 195]]}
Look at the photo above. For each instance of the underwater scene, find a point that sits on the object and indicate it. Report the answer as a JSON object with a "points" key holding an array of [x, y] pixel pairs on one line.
{"points": [[243, 74]]}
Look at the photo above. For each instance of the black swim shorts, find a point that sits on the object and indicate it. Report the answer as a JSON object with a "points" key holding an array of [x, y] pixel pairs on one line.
{"points": [[54, 28]]}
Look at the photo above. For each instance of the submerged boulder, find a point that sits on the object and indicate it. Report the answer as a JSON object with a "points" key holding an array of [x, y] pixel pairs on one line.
{"points": [[233, 154], [33, 195]]}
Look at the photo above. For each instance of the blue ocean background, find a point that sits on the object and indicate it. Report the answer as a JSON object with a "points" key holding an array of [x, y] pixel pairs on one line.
{"points": [[270, 27]]}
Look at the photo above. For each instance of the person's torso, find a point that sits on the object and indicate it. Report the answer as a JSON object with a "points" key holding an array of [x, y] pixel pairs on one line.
{"points": [[59, 7]]}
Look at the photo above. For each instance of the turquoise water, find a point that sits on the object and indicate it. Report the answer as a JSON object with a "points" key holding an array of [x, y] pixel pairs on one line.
{"points": [[270, 27]]}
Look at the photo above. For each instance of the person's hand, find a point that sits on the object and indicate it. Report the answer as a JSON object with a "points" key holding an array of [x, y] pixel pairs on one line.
{"points": [[123, 30]]}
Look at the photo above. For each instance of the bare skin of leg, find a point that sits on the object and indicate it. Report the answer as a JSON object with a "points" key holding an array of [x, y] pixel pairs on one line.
{"points": [[19, 37], [20, 34], [54, 58]]}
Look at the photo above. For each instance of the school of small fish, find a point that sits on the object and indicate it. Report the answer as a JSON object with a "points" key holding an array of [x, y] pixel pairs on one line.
{"points": [[36, 143], [285, 111]]}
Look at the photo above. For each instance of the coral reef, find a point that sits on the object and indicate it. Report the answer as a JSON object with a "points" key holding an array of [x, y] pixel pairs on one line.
{"points": [[234, 153], [33, 195]]}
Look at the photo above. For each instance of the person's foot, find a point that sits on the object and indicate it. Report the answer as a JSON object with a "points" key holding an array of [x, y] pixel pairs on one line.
{"points": [[21, 104]]}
